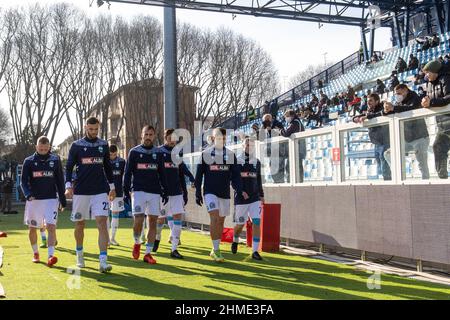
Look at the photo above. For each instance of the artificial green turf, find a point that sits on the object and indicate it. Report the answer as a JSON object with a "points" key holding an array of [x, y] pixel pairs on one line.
{"points": [[279, 276]]}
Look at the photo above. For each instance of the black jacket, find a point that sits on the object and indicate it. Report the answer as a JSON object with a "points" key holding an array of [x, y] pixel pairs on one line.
{"points": [[413, 63], [414, 129], [381, 88], [378, 135], [439, 93], [295, 126], [400, 66], [393, 83]]}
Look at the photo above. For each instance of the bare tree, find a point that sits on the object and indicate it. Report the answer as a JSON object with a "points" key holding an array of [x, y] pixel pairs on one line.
{"points": [[82, 80], [307, 73]]}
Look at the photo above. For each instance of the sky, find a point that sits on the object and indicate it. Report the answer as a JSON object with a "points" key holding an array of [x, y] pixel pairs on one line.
{"points": [[293, 45]]}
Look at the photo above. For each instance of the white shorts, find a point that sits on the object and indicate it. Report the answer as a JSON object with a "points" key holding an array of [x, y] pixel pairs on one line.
{"points": [[175, 205], [242, 211], [40, 212], [87, 207], [144, 202], [215, 203], [117, 204]]}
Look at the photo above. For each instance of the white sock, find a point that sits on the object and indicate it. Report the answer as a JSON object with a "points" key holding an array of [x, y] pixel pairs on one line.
{"points": [[236, 238], [51, 251], [35, 248], [148, 248], [114, 227], [216, 244], [176, 232], [159, 228], [103, 257], [255, 244], [143, 231], [170, 224], [137, 238], [43, 235]]}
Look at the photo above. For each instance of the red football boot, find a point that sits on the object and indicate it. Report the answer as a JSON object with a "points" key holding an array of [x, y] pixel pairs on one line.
{"points": [[136, 251], [149, 259], [51, 261], [36, 258]]}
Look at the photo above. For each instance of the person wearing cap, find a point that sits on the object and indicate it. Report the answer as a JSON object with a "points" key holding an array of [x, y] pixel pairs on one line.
{"points": [[438, 95]]}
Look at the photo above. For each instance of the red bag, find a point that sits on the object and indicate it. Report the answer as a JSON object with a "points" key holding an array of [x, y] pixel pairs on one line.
{"points": [[227, 235]]}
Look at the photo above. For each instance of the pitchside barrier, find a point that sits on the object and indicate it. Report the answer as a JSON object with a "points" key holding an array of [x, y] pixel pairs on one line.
{"points": [[341, 198]]}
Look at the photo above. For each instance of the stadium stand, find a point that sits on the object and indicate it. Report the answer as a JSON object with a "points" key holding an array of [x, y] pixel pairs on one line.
{"points": [[362, 76]]}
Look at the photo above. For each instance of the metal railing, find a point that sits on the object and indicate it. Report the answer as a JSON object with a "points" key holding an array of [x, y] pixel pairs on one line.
{"points": [[351, 144]]}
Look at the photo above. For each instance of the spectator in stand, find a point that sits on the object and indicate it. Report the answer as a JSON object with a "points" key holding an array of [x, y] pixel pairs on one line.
{"points": [[323, 98], [438, 95], [425, 42], [415, 131], [335, 100], [294, 125], [401, 65], [363, 108], [355, 105], [269, 123], [7, 189], [413, 62], [251, 115], [419, 78], [422, 93], [270, 128], [375, 58], [324, 114], [274, 108], [378, 135], [314, 101], [435, 41], [446, 59], [350, 93], [343, 103], [393, 82], [381, 88], [310, 115]]}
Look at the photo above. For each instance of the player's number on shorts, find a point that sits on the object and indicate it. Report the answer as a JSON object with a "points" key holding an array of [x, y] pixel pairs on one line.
{"points": [[56, 215], [105, 206]]}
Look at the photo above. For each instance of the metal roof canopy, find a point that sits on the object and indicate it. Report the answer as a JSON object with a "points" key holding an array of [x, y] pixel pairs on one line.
{"points": [[343, 12]]}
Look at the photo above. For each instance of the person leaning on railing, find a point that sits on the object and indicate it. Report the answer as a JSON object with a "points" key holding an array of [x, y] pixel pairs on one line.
{"points": [[269, 125], [294, 125], [415, 131], [378, 135], [438, 95]]}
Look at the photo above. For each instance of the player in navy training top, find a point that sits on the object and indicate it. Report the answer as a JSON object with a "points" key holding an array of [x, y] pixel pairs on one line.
{"points": [[219, 167], [174, 170], [117, 205], [94, 179], [144, 178], [41, 181], [252, 184]]}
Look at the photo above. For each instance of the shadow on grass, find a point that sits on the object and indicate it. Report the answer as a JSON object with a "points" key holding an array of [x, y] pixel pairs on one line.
{"points": [[290, 281], [280, 272]]}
